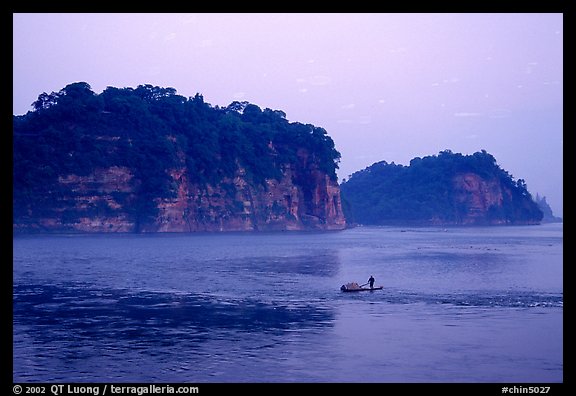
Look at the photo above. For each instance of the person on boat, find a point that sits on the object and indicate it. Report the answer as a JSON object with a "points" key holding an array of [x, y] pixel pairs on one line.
{"points": [[371, 281]]}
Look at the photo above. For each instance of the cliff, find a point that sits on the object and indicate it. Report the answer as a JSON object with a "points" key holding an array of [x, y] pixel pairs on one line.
{"points": [[448, 189], [97, 203], [148, 160], [488, 201]]}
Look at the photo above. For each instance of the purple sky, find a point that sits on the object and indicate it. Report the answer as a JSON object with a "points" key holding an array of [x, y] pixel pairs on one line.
{"points": [[385, 86]]}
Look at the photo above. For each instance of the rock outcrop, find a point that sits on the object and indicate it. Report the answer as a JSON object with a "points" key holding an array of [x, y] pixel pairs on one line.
{"points": [[483, 201], [149, 160], [237, 205], [549, 216], [303, 199], [448, 189]]}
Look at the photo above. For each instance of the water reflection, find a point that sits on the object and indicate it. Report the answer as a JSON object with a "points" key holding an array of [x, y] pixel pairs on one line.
{"points": [[265, 307], [323, 263], [61, 312]]}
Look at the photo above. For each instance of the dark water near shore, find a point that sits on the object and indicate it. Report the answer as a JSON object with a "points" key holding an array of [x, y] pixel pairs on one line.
{"points": [[458, 305]]}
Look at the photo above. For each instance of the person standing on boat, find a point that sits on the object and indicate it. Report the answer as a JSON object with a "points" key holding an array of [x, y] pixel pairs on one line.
{"points": [[371, 281]]}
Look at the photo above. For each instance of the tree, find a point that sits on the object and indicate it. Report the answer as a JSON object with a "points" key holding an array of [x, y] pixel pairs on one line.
{"points": [[387, 193], [152, 130], [45, 101]]}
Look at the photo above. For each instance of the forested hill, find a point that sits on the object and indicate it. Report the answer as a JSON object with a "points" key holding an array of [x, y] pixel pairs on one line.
{"points": [[148, 159], [444, 189]]}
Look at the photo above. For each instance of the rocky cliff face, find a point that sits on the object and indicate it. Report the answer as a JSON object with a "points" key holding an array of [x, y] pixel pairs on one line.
{"points": [[447, 189], [146, 159], [236, 205], [305, 198], [477, 196], [481, 201]]}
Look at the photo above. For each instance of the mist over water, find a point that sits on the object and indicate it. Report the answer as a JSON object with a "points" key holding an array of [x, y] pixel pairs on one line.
{"points": [[458, 305]]}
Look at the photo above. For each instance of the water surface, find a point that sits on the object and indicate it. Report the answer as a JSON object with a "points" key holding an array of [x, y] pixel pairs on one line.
{"points": [[458, 305]]}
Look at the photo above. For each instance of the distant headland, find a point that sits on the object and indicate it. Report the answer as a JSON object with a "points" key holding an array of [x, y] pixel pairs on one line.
{"points": [[444, 189], [146, 159]]}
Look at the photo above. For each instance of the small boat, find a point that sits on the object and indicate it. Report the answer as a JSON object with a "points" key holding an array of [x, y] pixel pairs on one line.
{"points": [[353, 287], [362, 289]]}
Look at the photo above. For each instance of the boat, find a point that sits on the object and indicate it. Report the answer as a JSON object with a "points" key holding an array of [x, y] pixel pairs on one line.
{"points": [[353, 287], [362, 289]]}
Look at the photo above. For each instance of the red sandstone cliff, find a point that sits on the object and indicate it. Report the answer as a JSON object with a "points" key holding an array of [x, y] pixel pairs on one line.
{"points": [[447, 189], [303, 199], [148, 160], [481, 200]]}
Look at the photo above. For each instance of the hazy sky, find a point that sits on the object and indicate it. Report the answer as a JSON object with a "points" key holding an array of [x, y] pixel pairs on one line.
{"points": [[385, 86]]}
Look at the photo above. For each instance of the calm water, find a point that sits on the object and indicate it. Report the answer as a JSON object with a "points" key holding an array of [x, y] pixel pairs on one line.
{"points": [[458, 305]]}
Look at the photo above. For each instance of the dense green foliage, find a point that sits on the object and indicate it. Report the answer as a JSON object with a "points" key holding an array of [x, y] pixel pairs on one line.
{"points": [[389, 194], [151, 130]]}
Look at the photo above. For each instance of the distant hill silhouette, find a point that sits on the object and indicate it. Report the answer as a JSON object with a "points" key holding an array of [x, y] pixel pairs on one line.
{"points": [[547, 211], [444, 189]]}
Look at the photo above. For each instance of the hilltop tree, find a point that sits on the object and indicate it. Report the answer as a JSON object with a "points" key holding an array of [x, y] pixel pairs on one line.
{"points": [[424, 192], [151, 130]]}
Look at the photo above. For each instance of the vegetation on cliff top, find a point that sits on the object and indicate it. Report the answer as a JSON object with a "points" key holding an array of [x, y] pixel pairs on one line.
{"points": [[424, 192], [147, 129]]}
